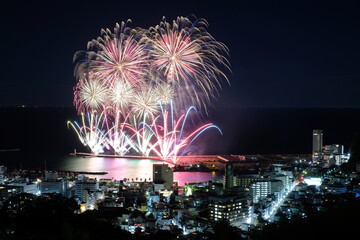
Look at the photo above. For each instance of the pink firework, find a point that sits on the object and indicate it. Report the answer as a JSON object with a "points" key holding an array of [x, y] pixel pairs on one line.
{"points": [[187, 55], [118, 55]]}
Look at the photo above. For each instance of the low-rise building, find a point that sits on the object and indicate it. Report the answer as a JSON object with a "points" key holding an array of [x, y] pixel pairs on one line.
{"points": [[232, 209]]}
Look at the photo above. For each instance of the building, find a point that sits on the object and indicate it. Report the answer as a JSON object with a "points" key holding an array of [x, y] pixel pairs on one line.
{"points": [[261, 189], [27, 187], [334, 154], [2, 174], [229, 176], [317, 145], [245, 180], [51, 175], [335, 148], [231, 209], [163, 175], [85, 183], [54, 186]]}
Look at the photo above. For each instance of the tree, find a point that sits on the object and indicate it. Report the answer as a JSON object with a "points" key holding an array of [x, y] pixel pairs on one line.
{"points": [[224, 230]]}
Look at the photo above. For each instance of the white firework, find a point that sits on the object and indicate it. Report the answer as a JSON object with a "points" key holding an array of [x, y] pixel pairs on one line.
{"points": [[145, 102], [93, 93], [165, 93], [121, 94]]}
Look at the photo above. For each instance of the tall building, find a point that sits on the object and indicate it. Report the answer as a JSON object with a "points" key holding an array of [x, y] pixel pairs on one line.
{"points": [[317, 145], [162, 174], [229, 176]]}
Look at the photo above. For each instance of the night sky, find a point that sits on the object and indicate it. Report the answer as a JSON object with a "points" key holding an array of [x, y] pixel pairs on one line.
{"points": [[282, 54]]}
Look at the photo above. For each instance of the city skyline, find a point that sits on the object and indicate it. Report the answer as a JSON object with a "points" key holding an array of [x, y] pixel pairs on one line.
{"points": [[281, 54]]}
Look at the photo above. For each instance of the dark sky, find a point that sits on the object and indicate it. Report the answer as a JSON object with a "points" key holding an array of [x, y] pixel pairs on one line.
{"points": [[282, 54]]}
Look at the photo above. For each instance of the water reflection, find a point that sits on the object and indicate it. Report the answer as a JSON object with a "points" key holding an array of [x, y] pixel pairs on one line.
{"points": [[120, 168]]}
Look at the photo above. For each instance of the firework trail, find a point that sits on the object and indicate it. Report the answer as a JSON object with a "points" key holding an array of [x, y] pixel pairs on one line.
{"points": [[171, 139], [91, 133], [118, 136]]}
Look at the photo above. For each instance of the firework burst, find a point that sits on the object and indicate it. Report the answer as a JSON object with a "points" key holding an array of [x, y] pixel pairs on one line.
{"points": [[121, 95], [117, 55], [164, 93], [145, 102], [90, 94], [187, 55]]}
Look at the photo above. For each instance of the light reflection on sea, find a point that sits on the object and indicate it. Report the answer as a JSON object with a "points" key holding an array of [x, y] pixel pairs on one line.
{"points": [[137, 169]]}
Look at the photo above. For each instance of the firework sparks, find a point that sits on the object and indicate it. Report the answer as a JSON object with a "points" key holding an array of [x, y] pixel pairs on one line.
{"points": [[188, 56], [91, 133], [121, 95], [90, 94], [164, 93], [118, 55], [145, 102], [142, 82], [170, 137]]}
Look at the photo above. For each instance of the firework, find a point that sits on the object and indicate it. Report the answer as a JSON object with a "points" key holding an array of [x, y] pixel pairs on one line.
{"points": [[165, 135], [135, 87], [117, 55], [121, 95], [118, 136], [91, 133], [145, 102], [90, 94], [164, 93], [187, 55], [171, 139]]}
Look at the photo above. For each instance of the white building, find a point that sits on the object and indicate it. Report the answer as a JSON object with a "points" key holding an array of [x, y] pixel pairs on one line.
{"points": [[85, 183], [261, 189]]}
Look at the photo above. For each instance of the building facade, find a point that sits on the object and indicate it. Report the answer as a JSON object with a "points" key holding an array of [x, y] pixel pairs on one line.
{"points": [[163, 174], [317, 145], [228, 208]]}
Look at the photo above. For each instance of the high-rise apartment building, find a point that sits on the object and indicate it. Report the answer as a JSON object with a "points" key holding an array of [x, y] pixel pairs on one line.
{"points": [[317, 145], [229, 176]]}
